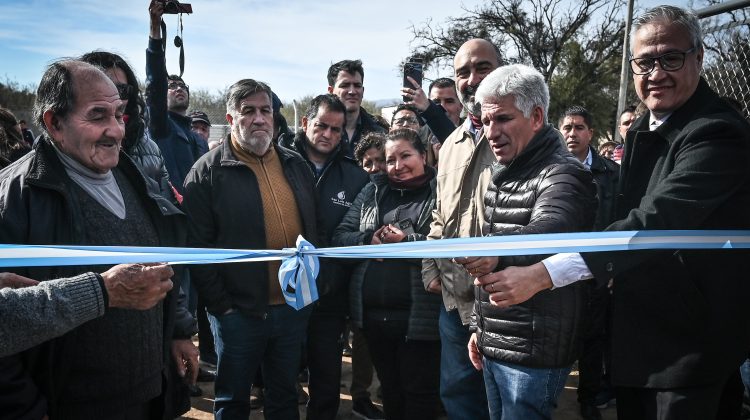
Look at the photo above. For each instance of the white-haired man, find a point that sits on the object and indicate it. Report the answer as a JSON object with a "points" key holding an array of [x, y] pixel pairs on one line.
{"points": [[526, 351]]}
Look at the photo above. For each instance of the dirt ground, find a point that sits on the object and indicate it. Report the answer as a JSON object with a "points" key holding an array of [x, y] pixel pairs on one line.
{"points": [[567, 410]]}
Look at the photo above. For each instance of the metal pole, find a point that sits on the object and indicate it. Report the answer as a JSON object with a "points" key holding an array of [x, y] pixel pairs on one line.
{"points": [[296, 120], [624, 73], [716, 9]]}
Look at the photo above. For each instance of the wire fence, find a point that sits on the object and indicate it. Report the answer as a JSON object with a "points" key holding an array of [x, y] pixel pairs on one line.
{"points": [[726, 63]]}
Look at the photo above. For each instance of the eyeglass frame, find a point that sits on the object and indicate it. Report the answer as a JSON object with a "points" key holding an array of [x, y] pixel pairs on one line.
{"points": [[659, 58], [178, 85], [405, 120]]}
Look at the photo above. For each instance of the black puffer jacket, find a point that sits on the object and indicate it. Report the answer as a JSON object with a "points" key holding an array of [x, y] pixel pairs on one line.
{"points": [[147, 155], [544, 190], [357, 228]]}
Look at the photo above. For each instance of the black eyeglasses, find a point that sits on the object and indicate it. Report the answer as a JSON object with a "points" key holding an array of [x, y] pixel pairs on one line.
{"points": [[405, 121], [671, 61], [125, 90], [175, 86]]}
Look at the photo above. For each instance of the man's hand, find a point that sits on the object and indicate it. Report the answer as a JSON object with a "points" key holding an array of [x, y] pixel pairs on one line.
{"points": [[478, 266], [14, 281], [435, 286], [474, 355], [186, 358], [137, 286], [415, 96], [155, 11], [515, 285]]}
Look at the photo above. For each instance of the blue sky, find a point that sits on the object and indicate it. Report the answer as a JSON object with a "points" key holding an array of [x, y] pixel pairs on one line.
{"points": [[288, 44]]}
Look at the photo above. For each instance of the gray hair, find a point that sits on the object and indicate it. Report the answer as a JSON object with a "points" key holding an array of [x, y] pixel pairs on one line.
{"points": [[242, 89], [669, 15], [524, 83], [56, 91]]}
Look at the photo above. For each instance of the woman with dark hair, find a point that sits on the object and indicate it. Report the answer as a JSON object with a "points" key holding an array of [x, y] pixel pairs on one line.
{"points": [[144, 152], [398, 317], [12, 145]]}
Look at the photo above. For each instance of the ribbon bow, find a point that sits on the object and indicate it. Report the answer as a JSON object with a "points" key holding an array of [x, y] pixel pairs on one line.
{"points": [[297, 276]]}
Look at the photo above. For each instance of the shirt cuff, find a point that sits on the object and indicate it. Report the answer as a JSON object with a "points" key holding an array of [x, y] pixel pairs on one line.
{"points": [[567, 268]]}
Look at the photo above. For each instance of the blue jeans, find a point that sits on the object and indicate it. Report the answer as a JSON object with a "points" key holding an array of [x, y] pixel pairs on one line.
{"points": [[745, 372], [242, 344], [520, 392], [461, 386]]}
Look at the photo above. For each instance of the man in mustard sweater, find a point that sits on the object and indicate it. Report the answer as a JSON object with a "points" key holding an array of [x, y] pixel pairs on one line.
{"points": [[249, 193]]}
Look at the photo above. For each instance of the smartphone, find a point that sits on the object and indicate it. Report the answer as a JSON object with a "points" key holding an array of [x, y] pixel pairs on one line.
{"points": [[413, 68], [405, 226]]}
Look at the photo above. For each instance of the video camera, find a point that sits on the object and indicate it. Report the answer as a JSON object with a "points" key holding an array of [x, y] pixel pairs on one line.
{"points": [[174, 7]]}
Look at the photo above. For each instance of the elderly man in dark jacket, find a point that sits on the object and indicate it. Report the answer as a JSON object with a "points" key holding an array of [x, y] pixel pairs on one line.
{"points": [[680, 324], [250, 193], [338, 180], [78, 188], [537, 186]]}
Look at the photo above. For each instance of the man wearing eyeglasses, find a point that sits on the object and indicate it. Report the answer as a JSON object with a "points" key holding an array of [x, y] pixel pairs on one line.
{"points": [[680, 324], [167, 101]]}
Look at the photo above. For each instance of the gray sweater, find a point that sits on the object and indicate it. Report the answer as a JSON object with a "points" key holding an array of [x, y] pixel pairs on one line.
{"points": [[33, 315]]}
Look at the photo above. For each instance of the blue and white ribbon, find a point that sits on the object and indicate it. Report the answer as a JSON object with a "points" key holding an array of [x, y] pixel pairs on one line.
{"points": [[297, 276], [300, 268]]}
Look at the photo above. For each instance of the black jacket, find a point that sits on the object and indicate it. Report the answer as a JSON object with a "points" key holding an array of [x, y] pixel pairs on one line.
{"points": [[680, 318], [223, 203], [435, 118], [337, 185], [38, 206], [365, 124], [544, 190], [171, 131], [357, 228], [147, 155], [606, 175]]}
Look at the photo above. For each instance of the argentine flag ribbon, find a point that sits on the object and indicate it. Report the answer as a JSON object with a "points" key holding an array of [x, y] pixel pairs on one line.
{"points": [[297, 276], [300, 267]]}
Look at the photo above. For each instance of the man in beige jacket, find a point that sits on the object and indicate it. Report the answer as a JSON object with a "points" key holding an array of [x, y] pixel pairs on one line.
{"points": [[462, 181]]}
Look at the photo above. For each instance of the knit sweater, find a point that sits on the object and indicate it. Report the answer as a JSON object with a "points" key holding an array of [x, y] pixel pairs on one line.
{"points": [[33, 315], [116, 360], [283, 222]]}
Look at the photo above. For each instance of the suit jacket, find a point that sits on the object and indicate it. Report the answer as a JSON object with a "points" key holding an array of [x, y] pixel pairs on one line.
{"points": [[681, 318]]}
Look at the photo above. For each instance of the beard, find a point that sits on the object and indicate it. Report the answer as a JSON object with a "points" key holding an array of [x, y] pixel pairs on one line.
{"points": [[256, 142], [468, 100]]}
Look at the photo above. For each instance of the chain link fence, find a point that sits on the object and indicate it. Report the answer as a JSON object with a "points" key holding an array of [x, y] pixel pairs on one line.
{"points": [[726, 63]]}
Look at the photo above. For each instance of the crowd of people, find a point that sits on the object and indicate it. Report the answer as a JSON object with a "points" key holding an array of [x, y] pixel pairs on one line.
{"points": [[664, 332]]}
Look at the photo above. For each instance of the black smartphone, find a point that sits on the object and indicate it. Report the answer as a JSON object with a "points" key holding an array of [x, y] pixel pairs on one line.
{"points": [[413, 68], [405, 226]]}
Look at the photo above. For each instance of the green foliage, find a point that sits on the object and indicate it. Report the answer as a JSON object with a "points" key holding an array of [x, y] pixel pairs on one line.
{"points": [[577, 46], [18, 99]]}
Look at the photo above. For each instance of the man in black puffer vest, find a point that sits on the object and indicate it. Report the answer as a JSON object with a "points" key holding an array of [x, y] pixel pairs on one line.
{"points": [[526, 351], [338, 180]]}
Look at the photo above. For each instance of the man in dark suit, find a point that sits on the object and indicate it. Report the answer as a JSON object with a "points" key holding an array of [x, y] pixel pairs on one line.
{"points": [[680, 321]]}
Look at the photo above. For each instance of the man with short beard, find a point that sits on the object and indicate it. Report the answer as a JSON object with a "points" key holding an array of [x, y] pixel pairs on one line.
{"points": [[167, 102], [462, 181], [250, 193]]}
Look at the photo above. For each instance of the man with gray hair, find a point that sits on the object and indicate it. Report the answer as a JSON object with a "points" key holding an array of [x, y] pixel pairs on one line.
{"points": [[680, 324], [78, 188], [251, 193], [526, 351]]}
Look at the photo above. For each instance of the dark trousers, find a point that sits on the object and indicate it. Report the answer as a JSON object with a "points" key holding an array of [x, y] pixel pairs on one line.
{"points": [[720, 401], [205, 336], [409, 370], [591, 359], [324, 364], [361, 366]]}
